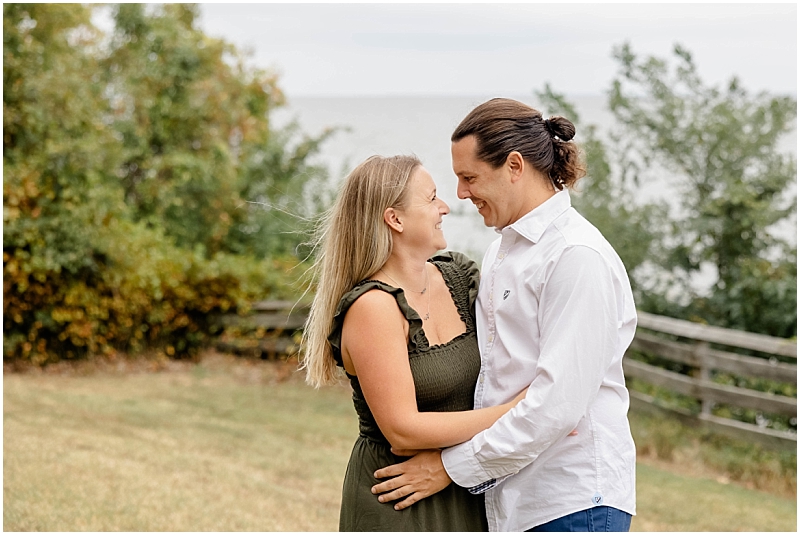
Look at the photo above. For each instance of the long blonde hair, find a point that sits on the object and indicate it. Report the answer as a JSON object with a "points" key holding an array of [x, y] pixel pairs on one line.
{"points": [[352, 242]]}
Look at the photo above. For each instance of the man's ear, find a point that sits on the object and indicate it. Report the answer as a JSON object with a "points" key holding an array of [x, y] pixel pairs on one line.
{"points": [[515, 164], [392, 218]]}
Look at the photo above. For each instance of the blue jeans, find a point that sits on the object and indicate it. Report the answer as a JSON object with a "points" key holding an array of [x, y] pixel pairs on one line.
{"points": [[600, 518]]}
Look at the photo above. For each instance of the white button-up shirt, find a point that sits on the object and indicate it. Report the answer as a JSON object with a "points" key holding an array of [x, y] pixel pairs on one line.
{"points": [[555, 313]]}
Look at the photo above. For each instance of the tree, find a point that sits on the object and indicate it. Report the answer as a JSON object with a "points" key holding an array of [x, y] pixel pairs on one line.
{"points": [[722, 143], [194, 121], [56, 146]]}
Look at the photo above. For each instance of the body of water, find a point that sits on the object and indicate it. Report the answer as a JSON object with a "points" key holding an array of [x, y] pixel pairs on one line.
{"points": [[422, 126]]}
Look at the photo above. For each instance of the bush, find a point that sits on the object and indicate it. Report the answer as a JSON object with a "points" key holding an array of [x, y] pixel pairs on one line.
{"points": [[142, 292]]}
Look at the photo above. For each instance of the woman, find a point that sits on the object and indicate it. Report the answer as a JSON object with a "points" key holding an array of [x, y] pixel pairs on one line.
{"points": [[402, 326]]}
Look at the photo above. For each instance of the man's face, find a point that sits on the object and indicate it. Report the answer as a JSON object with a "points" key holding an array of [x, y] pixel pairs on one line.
{"points": [[487, 188]]}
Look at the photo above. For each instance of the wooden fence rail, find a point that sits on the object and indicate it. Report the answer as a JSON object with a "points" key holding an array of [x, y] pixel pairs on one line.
{"points": [[281, 321], [694, 349]]}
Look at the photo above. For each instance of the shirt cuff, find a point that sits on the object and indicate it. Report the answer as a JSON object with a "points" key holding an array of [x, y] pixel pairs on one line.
{"points": [[483, 487], [462, 467]]}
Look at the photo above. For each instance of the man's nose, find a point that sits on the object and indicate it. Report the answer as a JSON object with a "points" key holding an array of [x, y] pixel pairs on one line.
{"points": [[462, 190]]}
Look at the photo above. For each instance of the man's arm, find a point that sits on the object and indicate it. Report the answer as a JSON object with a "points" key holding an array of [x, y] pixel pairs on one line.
{"points": [[578, 328]]}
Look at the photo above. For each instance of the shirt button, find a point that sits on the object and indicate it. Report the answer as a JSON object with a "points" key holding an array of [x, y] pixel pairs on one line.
{"points": [[481, 379]]}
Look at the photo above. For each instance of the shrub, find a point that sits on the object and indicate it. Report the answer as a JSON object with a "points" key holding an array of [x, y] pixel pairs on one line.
{"points": [[142, 292]]}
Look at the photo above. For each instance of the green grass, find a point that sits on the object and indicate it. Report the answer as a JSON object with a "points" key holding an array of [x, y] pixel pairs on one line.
{"points": [[694, 451], [235, 445], [223, 447], [670, 502]]}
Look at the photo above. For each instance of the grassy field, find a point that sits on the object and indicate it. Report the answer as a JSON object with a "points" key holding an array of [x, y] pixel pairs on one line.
{"points": [[235, 445]]}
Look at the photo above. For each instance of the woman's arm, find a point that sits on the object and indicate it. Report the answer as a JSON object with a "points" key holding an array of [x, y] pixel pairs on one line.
{"points": [[374, 342]]}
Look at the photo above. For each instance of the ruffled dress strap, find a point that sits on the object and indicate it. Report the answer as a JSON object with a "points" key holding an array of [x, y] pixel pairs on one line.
{"points": [[462, 276], [416, 339]]}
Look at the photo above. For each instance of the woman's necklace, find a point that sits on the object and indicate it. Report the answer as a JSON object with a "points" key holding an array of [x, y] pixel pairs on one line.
{"points": [[424, 290]]}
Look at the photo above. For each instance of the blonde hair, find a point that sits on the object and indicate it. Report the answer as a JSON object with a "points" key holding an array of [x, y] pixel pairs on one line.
{"points": [[352, 242]]}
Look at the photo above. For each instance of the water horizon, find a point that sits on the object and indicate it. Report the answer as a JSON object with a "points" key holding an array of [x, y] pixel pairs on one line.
{"points": [[422, 125]]}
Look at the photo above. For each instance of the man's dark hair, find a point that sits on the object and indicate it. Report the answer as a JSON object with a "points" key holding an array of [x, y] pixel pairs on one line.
{"points": [[502, 125]]}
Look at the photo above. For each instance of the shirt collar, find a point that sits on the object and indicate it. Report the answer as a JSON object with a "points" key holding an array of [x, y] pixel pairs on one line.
{"points": [[533, 224]]}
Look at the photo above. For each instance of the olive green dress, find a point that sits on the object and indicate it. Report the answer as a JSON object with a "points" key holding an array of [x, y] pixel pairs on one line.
{"points": [[444, 379]]}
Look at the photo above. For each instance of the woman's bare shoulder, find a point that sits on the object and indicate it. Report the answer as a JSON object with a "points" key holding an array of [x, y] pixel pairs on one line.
{"points": [[374, 307]]}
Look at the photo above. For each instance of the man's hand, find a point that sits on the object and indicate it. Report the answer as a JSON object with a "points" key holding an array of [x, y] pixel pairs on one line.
{"points": [[419, 477]]}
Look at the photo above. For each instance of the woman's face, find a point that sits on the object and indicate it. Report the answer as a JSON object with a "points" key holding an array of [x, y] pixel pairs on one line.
{"points": [[422, 214]]}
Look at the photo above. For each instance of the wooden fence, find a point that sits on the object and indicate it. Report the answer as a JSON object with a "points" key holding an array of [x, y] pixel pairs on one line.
{"points": [[276, 324], [691, 344], [675, 340]]}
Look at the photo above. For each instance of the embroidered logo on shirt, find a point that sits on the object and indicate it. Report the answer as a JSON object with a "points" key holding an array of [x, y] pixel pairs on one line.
{"points": [[597, 499], [505, 294]]}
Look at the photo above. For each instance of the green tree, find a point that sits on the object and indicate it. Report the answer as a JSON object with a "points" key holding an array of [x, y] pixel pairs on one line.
{"points": [[56, 152], [198, 143], [722, 143], [57, 147]]}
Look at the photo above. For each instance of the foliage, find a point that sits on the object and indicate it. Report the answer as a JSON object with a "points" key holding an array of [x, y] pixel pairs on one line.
{"points": [[722, 143], [126, 162], [197, 140], [56, 147], [153, 298]]}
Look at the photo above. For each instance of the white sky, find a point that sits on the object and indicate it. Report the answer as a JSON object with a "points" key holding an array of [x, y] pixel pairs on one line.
{"points": [[467, 49]]}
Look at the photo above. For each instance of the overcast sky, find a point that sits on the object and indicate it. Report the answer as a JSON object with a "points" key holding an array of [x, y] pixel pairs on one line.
{"points": [[468, 49]]}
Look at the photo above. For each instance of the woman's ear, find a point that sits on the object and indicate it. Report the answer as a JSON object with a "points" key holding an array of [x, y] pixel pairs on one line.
{"points": [[391, 217]]}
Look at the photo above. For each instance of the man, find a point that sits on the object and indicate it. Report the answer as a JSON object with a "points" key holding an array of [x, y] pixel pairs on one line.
{"points": [[555, 313]]}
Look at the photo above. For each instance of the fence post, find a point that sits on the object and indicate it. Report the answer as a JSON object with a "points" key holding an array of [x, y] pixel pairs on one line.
{"points": [[705, 373]]}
